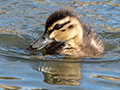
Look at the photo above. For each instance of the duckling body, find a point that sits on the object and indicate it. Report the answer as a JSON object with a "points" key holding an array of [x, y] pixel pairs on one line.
{"points": [[66, 34]]}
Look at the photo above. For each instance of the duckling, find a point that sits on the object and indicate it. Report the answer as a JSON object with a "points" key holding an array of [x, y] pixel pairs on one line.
{"points": [[65, 33]]}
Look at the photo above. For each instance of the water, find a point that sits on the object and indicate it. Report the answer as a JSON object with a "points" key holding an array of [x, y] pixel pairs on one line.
{"points": [[22, 21]]}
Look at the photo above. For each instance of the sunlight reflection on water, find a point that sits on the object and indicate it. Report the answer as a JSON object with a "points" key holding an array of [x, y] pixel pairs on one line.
{"points": [[21, 21]]}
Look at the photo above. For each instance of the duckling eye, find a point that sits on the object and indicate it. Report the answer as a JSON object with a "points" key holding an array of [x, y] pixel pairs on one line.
{"points": [[58, 26]]}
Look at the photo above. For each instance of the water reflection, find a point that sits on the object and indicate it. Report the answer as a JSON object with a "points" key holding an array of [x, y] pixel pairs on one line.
{"points": [[8, 87], [117, 79], [63, 73], [23, 20]]}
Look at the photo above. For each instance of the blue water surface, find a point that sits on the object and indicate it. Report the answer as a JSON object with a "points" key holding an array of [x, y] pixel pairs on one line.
{"points": [[22, 21]]}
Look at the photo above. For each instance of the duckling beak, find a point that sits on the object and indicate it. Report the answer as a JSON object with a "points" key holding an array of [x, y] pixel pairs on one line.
{"points": [[41, 42]]}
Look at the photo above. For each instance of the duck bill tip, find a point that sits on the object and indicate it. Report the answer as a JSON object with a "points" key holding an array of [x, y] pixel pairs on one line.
{"points": [[40, 43]]}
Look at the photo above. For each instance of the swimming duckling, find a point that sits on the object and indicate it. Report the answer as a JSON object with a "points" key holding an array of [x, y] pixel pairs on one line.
{"points": [[66, 34]]}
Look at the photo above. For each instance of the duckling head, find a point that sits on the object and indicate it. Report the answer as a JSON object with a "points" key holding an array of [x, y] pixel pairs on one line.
{"points": [[61, 26]]}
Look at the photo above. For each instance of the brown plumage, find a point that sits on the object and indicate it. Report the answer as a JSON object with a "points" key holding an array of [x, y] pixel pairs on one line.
{"points": [[65, 33]]}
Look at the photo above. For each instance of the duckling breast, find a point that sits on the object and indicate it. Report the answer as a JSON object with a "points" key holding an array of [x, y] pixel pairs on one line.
{"points": [[54, 47]]}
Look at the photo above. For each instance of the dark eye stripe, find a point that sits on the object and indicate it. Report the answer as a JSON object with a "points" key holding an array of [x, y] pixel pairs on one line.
{"points": [[71, 26], [66, 23], [58, 26], [50, 31]]}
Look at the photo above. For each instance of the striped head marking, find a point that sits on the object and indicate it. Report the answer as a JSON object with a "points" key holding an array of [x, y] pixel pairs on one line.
{"points": [[61, 26]]}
